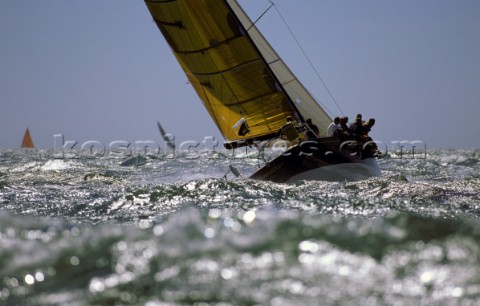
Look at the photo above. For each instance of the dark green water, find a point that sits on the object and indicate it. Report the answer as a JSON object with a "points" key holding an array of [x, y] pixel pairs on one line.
{"points": [[173, 232]]}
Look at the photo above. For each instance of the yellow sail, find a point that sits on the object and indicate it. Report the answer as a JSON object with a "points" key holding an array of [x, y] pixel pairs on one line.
{"points": [[27, 140], [245, 95]]}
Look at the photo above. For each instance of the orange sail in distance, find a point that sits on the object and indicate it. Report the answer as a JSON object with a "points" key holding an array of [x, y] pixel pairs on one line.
{"points": [[27, 140]]}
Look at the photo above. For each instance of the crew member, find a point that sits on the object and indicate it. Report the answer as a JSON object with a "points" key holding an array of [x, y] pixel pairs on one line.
{"points": [[335, 125], [313, 128]]}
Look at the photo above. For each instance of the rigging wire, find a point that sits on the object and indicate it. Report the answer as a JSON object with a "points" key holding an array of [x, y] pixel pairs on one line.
{"points": [[260, 17], [305, 54]]}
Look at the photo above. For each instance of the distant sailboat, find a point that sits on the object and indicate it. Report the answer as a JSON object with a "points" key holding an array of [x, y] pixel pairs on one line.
{"points": [[249, 91], [27, 141], [165, 137]]}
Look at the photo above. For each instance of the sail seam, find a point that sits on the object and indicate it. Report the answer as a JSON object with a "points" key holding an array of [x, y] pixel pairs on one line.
{"points": [[179, 24], [226, 70], [160, 1], [251, 99]]}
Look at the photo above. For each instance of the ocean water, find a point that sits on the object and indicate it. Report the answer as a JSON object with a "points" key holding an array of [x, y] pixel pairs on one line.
{"points": [[174, 232]]}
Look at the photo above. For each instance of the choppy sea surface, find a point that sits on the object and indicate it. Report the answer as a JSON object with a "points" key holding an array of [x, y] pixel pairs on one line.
{"points": [[88, 231]]}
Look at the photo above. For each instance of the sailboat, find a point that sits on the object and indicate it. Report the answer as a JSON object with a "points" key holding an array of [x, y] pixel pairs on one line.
{"points": [[27, 142], [249, 91]]}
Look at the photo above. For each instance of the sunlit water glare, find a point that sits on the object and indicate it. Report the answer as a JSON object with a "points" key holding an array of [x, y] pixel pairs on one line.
{"points": [[174, 232]]}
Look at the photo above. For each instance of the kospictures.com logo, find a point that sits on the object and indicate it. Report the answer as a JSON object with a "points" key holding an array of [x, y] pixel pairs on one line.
{"points": [[210, 148]]}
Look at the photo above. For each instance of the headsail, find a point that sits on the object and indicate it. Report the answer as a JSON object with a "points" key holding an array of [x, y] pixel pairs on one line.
{"points": [[229, 68], [304, 101], [27, 140]]}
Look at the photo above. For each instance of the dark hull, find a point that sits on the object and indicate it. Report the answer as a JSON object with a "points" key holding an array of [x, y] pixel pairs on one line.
{"points": [[320, 159]]}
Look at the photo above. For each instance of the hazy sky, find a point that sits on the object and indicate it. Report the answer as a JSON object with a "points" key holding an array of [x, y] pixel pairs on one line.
{"points": [[101, 70]]}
